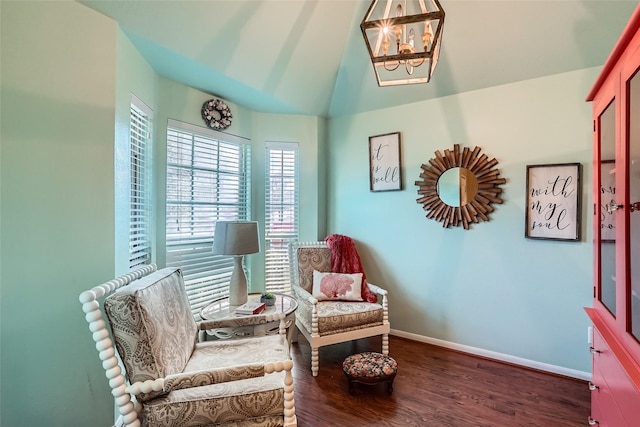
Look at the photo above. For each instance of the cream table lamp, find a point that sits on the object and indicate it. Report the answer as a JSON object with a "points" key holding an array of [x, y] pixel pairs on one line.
{"points": [[236, 238]]}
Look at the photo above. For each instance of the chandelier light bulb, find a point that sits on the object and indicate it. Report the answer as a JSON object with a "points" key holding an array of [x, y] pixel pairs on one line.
{"points": [[385, 40], [399, 11], [427, 35]]}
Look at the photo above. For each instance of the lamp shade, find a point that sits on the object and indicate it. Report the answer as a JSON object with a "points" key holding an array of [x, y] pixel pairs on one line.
{"points": [[236, 238]]}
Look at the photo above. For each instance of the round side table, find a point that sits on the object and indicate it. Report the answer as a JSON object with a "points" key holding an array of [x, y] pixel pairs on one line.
{"points": [[220, 309]]}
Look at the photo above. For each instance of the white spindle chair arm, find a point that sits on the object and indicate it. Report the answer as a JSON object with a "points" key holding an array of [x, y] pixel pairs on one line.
{"points": [[304, 296], [146, 386], [376, 289]]}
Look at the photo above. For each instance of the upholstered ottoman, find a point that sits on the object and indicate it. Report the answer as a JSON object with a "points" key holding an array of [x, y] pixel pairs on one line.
{"points": [[370, 368]]}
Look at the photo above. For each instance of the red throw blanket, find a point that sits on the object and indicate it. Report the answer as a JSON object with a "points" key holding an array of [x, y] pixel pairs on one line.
{"points": [[345, 259]]}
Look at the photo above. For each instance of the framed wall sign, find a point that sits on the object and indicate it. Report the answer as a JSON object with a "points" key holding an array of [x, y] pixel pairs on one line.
{"points": [[607, 194], [385, 172], [553, 202]]}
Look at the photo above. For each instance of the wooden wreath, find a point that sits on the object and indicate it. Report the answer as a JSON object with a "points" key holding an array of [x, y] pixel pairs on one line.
{"points": [[216, 114], [478, 208]]}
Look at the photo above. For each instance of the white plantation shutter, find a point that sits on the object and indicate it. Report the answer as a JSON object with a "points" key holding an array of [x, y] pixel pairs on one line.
{"points": [[281, 212], [140, 164], [208, 179]]}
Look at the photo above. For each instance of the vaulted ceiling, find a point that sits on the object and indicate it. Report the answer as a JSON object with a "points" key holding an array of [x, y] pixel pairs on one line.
{"points": [[309, 57]]}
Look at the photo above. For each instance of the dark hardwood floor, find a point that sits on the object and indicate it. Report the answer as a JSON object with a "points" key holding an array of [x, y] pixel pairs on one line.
{"points": [[434, 387]]}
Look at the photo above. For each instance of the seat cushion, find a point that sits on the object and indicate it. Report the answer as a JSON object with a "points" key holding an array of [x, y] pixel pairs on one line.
{"points": [[250, 402], [153, 328], [341, 316], [221, 354], [255, 399]]}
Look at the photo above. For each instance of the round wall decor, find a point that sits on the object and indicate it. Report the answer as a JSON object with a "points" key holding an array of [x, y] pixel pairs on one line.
{"points": [[458, 187], [216, 114]]}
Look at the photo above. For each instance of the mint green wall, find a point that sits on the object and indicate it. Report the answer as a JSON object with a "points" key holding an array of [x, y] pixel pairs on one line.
{"points": [[488, 287], [57, 200]]}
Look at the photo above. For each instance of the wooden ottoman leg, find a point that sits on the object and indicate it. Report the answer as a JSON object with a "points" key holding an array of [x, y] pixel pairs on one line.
{"points": [[350, 383]]}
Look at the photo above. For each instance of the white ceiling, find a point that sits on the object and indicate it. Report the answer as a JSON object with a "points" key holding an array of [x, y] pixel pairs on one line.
{"points": [[309, 57]]}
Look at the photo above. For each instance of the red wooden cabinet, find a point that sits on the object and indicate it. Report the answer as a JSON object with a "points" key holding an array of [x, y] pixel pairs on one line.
{"points": [[615, 398]]}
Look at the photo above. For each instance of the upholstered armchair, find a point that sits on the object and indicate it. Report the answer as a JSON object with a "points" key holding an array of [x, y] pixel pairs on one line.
{"points": [[327, 322], [173, 380]]}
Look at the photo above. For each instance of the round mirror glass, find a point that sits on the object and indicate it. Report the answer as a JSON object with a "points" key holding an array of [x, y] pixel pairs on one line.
{"points": [[457, 186]]}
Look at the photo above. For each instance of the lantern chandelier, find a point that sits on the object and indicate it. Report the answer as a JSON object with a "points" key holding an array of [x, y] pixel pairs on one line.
{"points": [[403, 39]]}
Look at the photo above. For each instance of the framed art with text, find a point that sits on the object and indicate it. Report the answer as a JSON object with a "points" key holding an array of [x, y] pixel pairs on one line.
{"points": [[553, 202], [384, 162]]}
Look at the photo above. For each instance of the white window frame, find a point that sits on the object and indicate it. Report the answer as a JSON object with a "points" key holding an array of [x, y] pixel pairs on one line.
{"points": [[282, 211], [140, 163], [215, 171]]}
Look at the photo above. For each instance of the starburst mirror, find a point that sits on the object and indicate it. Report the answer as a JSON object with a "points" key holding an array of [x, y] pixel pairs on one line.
{"points": [[458, 187]]}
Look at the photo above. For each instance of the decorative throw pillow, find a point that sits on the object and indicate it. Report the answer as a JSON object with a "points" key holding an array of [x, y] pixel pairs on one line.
{"points": [[337, 286]]}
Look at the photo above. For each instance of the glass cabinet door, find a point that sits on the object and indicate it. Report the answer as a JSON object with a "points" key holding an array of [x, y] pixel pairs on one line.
{"points": [[607, 141]]}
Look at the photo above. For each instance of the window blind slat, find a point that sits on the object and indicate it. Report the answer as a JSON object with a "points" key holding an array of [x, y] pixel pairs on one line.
{"points": [[139, 202]]}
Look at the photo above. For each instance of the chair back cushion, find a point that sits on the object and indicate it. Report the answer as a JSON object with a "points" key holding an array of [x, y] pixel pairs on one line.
{"points": [[153, 328], [310, 259]]}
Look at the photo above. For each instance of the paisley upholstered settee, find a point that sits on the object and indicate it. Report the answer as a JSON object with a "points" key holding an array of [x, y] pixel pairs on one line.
{"points": [[326, 322], [172, 379]]}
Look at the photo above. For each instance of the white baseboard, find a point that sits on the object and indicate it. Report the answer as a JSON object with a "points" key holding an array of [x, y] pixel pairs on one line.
{"points": [[559, 370]]}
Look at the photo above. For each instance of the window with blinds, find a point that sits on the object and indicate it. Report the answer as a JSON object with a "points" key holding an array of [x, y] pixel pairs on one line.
{"points": [[281, 212], [208, 179], [140, 164]]}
